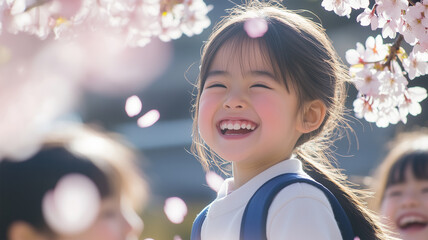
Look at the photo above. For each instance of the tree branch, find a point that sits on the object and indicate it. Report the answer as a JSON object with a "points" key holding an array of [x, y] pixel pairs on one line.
{"points": [[393, 50]]}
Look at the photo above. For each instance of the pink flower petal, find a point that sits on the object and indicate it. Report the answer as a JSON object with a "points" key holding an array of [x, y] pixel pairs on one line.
{"points": [[72, 206], [148, 119], [176, 237], [255, 27], [175, 209], [214, 180], [133, 106]]}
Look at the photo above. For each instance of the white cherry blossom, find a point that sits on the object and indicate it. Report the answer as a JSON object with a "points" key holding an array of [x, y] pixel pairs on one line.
{"points": [[393, 84], [375, 49], [356, 56], [391, 10], [369, 17], [136, 21], [410, 102], [376, 68], [365, 108], [366, 81], [416, 65], [344, 7], [388, 116], [390, 28]]}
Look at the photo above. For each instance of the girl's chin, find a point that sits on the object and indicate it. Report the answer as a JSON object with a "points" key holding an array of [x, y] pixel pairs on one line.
{"points": [[414, 233]]}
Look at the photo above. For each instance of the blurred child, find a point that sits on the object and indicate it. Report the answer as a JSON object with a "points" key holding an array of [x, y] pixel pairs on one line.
{"points": [[270, 103], [82, 184], [401, 186]]}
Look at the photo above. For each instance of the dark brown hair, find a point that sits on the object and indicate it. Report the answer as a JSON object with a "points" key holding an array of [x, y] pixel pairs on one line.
{"points": [[303, 57]]}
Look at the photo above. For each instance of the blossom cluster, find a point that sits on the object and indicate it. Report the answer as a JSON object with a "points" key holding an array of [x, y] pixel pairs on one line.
{"points": [[383, 95], [136, 20], [376, 68]]}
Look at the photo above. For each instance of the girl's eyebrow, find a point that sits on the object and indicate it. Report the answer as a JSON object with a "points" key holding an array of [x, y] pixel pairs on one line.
{"points": [[262, 73], [254, 73], [213, 73]]}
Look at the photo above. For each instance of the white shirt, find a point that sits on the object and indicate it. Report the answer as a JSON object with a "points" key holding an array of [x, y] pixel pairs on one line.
{"points": [[300, 211]]}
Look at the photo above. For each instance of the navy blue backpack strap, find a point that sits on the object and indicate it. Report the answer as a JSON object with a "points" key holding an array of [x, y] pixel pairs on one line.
{"points": [[253, 224], [197, 224]]}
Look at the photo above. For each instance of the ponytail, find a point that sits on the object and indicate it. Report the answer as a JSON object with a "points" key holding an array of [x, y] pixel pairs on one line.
{"points": [[362, 220]]}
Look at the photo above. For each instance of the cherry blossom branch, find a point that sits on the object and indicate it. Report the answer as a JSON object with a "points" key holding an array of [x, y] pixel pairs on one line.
{"points": [[393, 50], [383, 96]]}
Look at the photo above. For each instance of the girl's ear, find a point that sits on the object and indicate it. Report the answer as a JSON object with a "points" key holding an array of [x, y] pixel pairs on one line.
{"points": [[312, 116], [23, 231]]}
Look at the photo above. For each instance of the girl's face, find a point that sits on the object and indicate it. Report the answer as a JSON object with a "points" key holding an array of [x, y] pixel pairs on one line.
{"points": [[116, 221], [245, 114], [405, 206]]}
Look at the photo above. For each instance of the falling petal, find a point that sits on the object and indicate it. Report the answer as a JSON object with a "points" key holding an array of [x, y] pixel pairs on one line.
{"points": [[133, 106], [175, 209], [176, 237], [256, 27], [356, 238], [214, 180], [148, 119], [72, 206]]}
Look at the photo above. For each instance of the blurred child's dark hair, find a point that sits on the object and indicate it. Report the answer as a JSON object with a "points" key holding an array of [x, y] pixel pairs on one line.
{"points": [[406, 150], [304, 59], [102, 157]]}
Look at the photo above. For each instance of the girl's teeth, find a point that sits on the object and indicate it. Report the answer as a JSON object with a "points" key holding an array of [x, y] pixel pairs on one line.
{"points": [[236, 125]]}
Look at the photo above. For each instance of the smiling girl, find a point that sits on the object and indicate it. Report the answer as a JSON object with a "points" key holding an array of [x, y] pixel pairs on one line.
{"points": [[270, 106], [402, 186]]}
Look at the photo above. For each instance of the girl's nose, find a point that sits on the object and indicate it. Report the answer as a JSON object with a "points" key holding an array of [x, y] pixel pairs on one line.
{"points": [[235, 100], [410, 199]]}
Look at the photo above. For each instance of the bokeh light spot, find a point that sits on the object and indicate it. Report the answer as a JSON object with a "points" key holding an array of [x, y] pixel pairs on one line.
{"points": [[255, 27], [148, 119], [175, 209], [72, 206], [133, 106], [214, 180]]}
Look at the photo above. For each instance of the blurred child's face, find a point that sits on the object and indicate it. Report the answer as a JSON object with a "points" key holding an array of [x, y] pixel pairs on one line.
{"points": [[116, 221], [406, 207], [245, 114]]}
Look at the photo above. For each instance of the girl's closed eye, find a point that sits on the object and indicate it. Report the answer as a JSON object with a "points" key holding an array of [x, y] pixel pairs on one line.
{"points": [[394, 192], [261, 85], [109, 213], [215, 85]]}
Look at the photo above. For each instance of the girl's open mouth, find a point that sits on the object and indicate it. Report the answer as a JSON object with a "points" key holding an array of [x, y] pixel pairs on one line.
{"points": [[236, 127], [412, 223]]}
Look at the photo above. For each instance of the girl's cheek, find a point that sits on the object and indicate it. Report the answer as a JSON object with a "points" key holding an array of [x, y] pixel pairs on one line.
{"points": [[206, 112], [109, 228], [387, 211], [388, 207]]}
